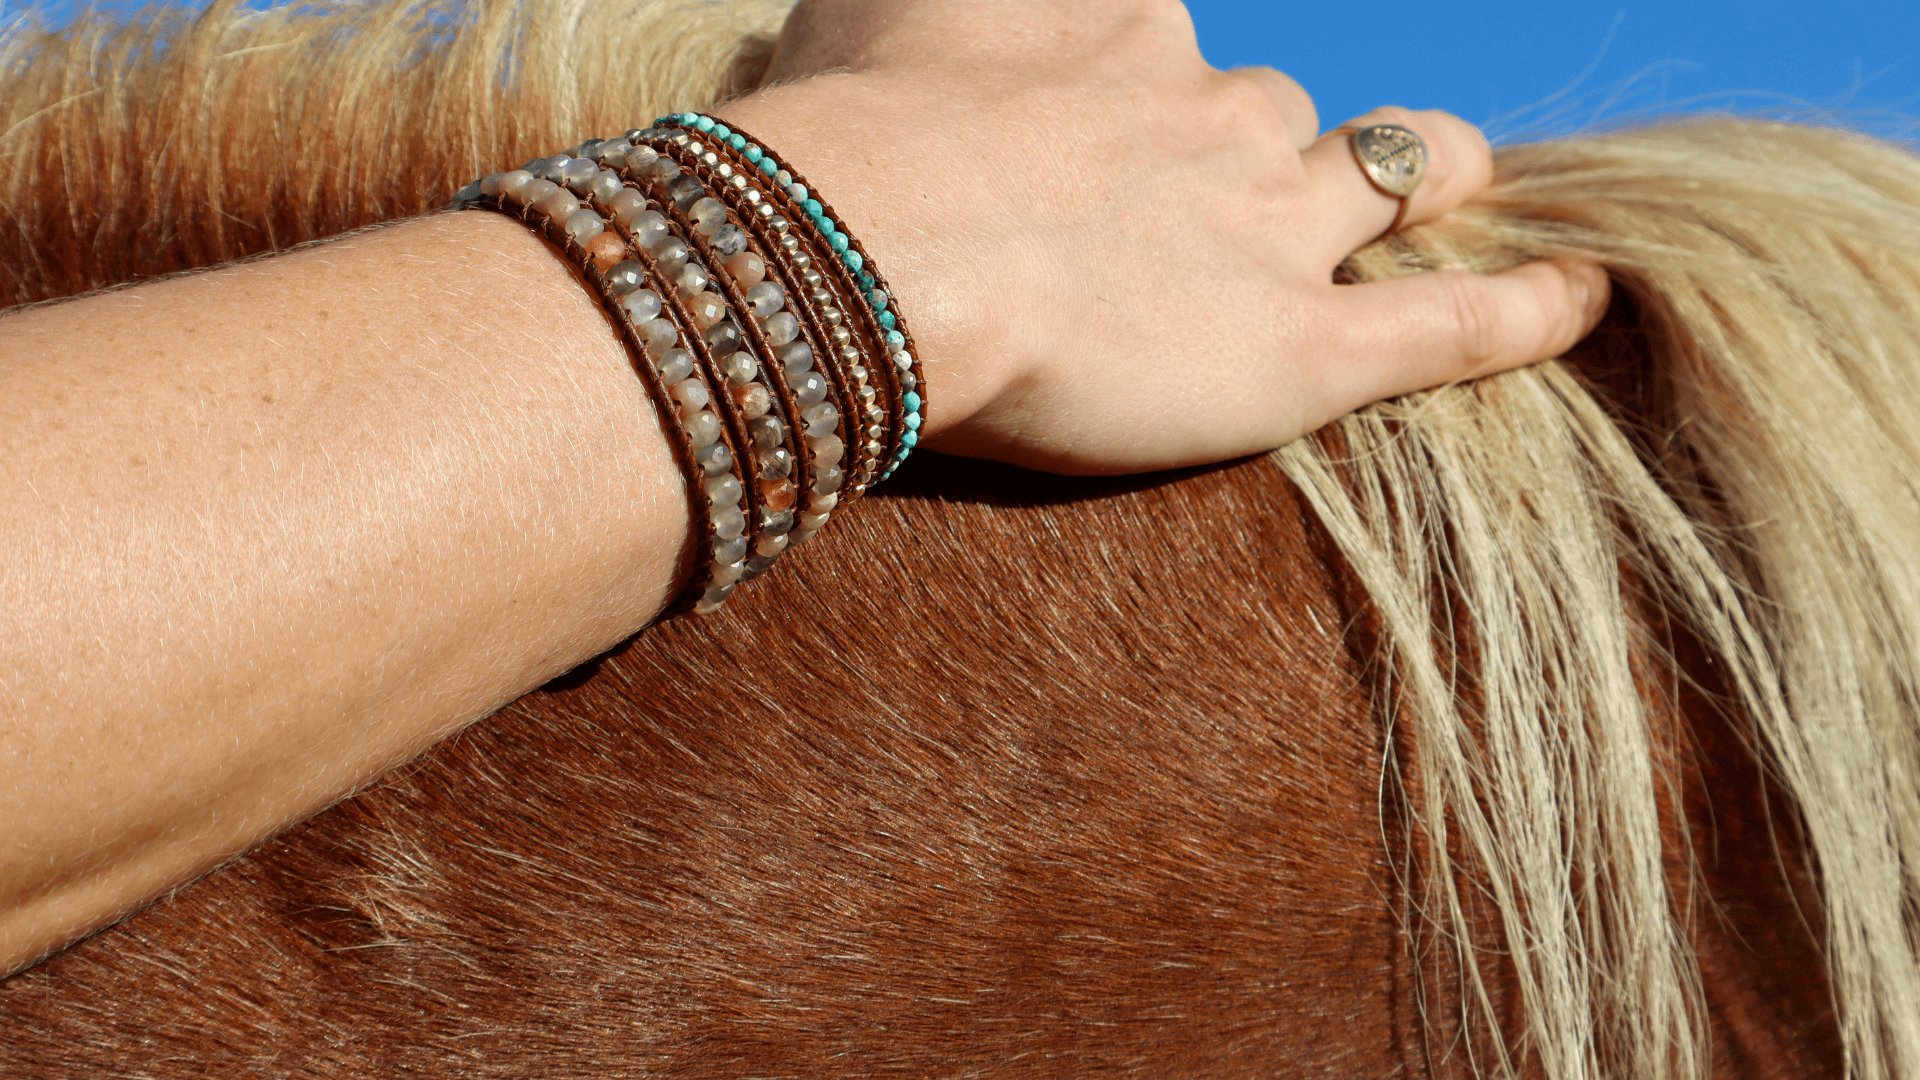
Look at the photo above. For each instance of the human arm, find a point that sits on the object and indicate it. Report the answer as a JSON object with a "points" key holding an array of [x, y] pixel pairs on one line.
{"points": [[277, 527]]}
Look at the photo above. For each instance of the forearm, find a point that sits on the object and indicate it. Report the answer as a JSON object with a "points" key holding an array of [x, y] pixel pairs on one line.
{"points": [[273, 529]]}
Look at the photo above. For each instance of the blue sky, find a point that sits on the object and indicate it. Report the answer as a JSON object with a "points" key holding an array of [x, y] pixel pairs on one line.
{"points": [[1501, 64], [1548, 66]]}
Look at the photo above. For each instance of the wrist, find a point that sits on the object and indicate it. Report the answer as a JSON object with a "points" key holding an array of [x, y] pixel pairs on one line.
{"points": [[855, 138]]}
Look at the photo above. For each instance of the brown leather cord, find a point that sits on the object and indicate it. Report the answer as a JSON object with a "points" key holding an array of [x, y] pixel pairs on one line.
{"points": [[740, 442], [894, 425], [786, 408], [819, 333], [793, 212]]}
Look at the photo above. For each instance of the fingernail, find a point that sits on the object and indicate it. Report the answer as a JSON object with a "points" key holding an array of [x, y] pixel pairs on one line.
{"points": [[1590, 287]]}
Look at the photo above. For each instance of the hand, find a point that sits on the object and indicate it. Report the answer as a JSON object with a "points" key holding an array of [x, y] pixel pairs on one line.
{"points": [[1116, 258]]}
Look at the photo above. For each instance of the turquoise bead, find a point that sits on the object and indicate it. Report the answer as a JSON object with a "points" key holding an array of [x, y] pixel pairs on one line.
{"points": [[913, 422], [853, 259], [910, 439], [822, 223], [689, 118], [912, 401], [876, 299], [754, 153], [812, 207], [704, 123], [767, 166], [838, 241], [887, 319], [736, 140], [721, 131], [896, 340]]}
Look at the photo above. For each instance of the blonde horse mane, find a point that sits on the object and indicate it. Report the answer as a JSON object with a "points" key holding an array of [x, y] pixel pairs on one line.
{"points": [[1755, 480]]}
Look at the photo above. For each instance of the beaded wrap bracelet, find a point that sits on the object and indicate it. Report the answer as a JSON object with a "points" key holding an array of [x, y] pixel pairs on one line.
{"points": [[862, 275], [773, 354]]}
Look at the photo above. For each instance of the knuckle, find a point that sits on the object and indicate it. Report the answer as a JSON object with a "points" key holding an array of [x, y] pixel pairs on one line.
{"points": [[1473, 313], [1242, 104]]}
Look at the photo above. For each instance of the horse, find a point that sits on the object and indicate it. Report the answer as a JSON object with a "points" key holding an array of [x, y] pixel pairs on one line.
{"points": [[1560, 723]]}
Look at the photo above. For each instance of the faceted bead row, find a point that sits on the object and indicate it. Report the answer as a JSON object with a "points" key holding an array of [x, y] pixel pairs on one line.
{"points": [[862, 275], [687, 240], [871, 414], [808, 313], [775, 333]]}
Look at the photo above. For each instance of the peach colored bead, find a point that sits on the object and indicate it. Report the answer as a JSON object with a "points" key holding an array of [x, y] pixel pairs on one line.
{"points": [[778, 494], [747, 269], [706, 309], [754, 400], [605, 250]]}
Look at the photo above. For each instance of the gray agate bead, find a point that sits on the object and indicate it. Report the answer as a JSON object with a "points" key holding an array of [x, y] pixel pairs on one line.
{"points": [[650, 229], [642, 305], [795, 357], [728, 522], [626, 206], [577, 174], [767, 432], [604, 186], [767, 299], [820, 419], [675, 366], [703, 428], [713, 460], [740, 367], [583, 225], [625, 277], [533, 191], [707, 215], [685, 191], [782, 328], [809, 389], [729, 551]]}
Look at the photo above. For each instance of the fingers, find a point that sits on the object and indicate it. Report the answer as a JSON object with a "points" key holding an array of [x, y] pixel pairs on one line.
{"points": [[1289, 100], [1429, 329], [1354, 213]]}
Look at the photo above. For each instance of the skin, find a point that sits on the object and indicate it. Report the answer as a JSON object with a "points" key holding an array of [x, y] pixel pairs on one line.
{"points": [[275, 528]]}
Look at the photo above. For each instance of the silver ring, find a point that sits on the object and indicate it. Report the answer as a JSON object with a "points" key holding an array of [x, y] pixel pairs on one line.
{"points": [[1394, 160]]}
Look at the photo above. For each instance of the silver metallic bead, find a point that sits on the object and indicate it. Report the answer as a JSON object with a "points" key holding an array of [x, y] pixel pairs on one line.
{"points": [[876, 415], [849, 354], [833, 317], [841, 335], [859, 373], [696, 146], [754, 198], [709, 159], [801, 260], [874, 432], [821, 298], [736, 181], [679, 138], [764, 210], [725, 170], [779, 226], [791, 246], [867, 393], [812, 278]]}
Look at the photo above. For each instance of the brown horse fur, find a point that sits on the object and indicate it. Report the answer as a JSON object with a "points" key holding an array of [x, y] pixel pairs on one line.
{"points": [[1145, 777], [1089, 786]]}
